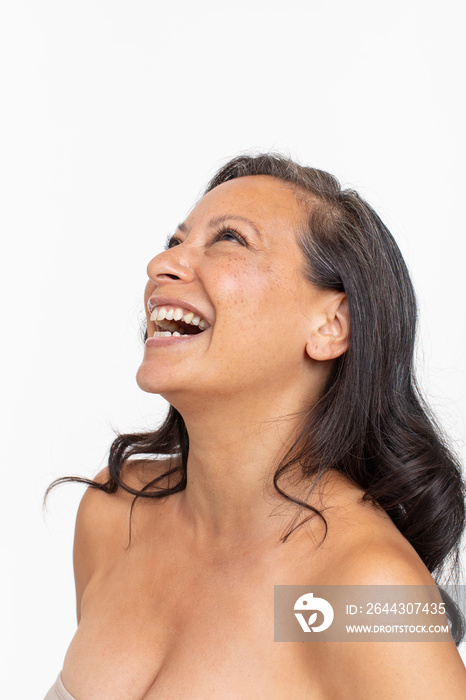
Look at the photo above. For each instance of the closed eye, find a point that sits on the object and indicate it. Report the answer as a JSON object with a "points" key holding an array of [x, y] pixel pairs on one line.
{"points": [[171, 242], [221, 235]]}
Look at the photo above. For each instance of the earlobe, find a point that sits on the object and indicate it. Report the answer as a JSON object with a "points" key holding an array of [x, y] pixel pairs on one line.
{"points": [[329, 338]]}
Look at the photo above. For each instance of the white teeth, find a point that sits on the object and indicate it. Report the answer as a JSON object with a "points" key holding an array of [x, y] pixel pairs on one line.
{"points": [[172, 315], [167, 334]]}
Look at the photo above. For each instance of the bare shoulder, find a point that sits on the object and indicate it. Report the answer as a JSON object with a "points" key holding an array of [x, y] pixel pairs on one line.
{"points": [[102, 522], [381, 556], [363, 544], [378, 555], [392, 670], [100, 511]]}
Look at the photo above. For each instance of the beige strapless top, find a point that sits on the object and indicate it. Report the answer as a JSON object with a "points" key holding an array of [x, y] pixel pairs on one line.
{"points": [[58, 691]]}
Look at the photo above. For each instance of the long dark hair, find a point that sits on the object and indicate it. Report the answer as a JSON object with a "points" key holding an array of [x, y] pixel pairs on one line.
{"points": [[371, 423]]}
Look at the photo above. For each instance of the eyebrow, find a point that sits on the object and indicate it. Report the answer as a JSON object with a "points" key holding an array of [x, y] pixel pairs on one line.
{"points": [[218, 220]]}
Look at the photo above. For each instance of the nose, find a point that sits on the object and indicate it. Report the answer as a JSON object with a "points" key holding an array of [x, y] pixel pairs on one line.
{"points": [[171, 264]]}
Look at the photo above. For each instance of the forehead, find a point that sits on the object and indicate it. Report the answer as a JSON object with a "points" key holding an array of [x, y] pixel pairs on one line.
{"points": [[264, 199]]}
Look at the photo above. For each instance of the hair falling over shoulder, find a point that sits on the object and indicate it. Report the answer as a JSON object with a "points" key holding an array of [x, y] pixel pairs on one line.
{"points": [[371, 424]]}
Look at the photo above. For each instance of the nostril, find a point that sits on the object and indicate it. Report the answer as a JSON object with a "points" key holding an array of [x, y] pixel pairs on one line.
{"points": [[166, 275]]}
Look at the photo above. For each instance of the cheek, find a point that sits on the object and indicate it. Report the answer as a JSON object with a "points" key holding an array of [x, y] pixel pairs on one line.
{"points": [[240, 278], [245, 288], [258, 298]]}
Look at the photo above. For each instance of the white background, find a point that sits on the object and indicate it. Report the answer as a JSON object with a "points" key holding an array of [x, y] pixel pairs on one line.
{"points": [[114, 115]]}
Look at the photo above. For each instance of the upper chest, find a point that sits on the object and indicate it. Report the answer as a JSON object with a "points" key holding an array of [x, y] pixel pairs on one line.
{"points": [[161, 622], [165, 619]]}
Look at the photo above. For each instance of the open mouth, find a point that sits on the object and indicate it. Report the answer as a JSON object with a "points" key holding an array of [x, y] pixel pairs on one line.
{"points": [[175, 321]]}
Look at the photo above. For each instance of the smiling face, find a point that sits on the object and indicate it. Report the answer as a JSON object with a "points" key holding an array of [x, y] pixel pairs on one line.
{"points": [[234, 269]]}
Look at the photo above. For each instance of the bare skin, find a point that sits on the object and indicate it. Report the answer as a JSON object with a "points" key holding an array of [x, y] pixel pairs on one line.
{"points": [[187, 610]]}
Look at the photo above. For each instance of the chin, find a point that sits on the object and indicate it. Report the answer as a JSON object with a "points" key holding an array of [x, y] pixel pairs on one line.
{"points": [[159, 380], [150, 380]]}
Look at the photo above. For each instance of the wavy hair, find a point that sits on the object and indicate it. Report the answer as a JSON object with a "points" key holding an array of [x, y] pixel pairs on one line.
{"points": [[371, 423]]}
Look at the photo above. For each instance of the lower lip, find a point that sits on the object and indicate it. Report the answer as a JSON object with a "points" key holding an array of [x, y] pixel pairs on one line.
{"points": [[166, 340]]}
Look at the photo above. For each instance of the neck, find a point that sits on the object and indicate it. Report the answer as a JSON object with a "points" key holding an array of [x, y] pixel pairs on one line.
{"points": [[234, 450]]}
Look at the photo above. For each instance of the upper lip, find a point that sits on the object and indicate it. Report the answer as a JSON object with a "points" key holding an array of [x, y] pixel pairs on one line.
{"points": [[177, 303]]}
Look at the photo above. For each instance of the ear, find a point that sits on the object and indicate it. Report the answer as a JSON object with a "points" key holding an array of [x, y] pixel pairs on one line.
{"points": [[330, 332]]}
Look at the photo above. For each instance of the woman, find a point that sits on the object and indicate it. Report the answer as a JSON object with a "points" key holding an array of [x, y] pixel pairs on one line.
{"points": [[280, 328]]}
